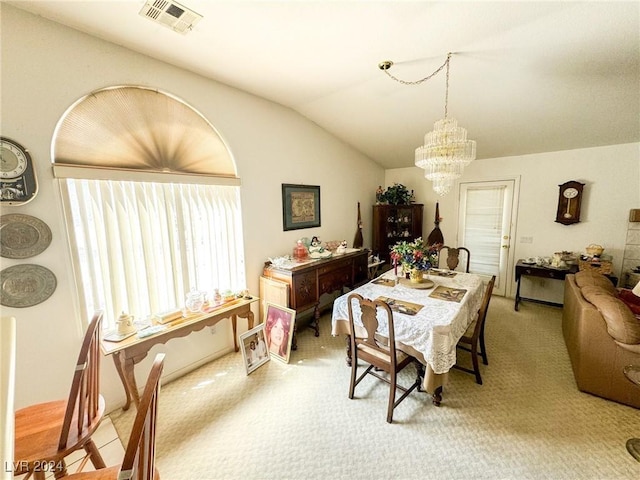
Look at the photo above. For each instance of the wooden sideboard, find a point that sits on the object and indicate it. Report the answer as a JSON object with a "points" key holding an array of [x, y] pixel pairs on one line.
{"points": [[309, 280]]}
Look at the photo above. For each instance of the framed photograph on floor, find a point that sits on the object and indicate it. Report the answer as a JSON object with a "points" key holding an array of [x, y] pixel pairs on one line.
{"points": [[254, 348], [300, 206], [278, 325]]}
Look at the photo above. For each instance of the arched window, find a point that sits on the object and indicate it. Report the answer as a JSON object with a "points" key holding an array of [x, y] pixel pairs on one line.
{"points": [[151, 200]]}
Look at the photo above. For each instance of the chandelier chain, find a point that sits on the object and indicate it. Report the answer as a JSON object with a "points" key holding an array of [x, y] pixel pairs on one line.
{"points": [[417, 82], [446, 94]]}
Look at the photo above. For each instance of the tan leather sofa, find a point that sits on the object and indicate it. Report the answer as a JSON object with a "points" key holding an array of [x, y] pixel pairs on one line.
{"points": [[602, 337]]}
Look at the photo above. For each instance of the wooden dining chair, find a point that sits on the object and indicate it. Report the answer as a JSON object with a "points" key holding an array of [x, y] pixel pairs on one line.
{"points": [[139, 457], [473, 339], [381, 355], [452, 258], [46, 433]]}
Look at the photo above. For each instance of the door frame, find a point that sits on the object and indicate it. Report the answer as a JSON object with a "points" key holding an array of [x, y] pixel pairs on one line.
{"points": [[510, 267]]}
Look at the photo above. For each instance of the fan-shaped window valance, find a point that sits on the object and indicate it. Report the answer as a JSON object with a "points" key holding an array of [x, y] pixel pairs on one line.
{"points": [[137, 133]]}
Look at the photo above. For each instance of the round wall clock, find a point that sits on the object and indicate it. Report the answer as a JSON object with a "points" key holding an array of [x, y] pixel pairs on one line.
{"points": [[569, 200], [18, 183]]}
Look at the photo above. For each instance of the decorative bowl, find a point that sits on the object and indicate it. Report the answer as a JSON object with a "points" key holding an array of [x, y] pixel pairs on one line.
{"points": [[595, 250]]}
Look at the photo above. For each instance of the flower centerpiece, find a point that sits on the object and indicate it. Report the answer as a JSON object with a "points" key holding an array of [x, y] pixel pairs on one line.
{"points": [[415, 257]]}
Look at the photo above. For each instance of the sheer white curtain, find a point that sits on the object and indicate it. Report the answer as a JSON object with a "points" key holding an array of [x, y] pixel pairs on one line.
{"points": [[139, 247]]}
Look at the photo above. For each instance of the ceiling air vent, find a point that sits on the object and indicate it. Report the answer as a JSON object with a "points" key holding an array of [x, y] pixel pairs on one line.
{"points": [[171, 15]]}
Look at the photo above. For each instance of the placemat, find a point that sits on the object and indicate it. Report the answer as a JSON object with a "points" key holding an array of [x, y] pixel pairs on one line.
{"points": [[401, 306], [448, 294], [385, 282], [442, 273]]}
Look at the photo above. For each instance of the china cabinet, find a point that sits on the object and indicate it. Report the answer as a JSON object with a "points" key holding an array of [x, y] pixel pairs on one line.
{"points": [[393, 224]]}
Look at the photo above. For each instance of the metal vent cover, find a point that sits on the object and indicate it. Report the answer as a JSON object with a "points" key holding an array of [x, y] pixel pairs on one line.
{"points": [[170, 14]]}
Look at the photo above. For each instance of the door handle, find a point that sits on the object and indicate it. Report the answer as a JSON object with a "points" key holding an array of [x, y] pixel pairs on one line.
{"points": [[505, 246]]}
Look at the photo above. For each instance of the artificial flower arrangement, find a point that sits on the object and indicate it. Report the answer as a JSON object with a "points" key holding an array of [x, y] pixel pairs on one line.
{"points": [[415, 255]]}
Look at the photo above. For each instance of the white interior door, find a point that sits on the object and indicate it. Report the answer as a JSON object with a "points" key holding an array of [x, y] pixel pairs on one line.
{"points": [[485, 223]]}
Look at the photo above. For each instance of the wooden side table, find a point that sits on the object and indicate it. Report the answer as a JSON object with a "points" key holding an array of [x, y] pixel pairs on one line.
{"points": [[632, 372], [525, 269]]}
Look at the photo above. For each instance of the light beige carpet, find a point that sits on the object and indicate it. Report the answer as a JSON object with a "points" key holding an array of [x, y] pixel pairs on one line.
{"points": [[295, 421]]}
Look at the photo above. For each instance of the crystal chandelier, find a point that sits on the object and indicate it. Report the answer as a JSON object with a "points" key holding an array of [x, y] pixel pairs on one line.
{"points": [[446, 150]]}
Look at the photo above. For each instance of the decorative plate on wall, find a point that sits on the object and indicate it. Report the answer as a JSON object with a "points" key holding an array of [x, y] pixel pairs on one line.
{"points": [[23, 236], [26, 285]]}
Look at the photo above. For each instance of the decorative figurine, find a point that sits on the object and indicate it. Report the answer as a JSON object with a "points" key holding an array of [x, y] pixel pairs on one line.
{"points": [[342, 248], [300, 252], [316, 250]]}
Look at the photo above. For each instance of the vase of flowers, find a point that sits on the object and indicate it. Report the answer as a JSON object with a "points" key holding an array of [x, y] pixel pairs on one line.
{"points": [[415, 257]]}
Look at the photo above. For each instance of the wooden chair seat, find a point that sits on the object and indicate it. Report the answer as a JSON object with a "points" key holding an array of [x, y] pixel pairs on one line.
{"points": [[385, 355], [38, 428]]}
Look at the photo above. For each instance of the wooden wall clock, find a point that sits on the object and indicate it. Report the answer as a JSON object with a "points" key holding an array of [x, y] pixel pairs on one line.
{"points": [[569, 200], [18, 183]]}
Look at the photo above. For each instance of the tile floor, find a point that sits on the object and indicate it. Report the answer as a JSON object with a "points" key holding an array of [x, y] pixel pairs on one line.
{"points": [[111, 449]]}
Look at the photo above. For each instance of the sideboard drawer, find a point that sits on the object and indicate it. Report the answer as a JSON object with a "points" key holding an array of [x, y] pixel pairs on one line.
{"points": [[335, 279], [334, 266]]}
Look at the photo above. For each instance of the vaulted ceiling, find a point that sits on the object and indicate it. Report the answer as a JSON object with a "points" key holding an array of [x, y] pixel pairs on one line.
{"points": [[525, 77]]}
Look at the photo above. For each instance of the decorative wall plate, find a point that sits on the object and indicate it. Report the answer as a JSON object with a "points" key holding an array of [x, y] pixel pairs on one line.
{"points": [[26, 285], [23, 236]]}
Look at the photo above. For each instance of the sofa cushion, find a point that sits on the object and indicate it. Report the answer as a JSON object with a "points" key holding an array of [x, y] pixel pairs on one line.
{"points": [[622, 325], [630, 300], [588, 277], [632, 348]]}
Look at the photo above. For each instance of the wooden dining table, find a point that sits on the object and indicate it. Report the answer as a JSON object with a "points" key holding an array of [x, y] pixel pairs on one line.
{"points": [[430, 318]]}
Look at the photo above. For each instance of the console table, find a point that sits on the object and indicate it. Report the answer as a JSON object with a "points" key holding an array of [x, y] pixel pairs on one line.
{"points": [[133, 350], [309, 280], [526, 269]]}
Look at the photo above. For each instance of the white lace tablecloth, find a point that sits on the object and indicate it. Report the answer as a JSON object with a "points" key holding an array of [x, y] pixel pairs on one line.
{"points": [[435, 330]]}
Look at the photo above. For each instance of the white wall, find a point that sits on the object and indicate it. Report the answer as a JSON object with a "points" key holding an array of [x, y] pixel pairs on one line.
{"points": [[612, 178], [45, 68]]}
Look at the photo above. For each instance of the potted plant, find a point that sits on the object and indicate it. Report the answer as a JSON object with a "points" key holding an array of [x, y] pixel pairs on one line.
{"points": [[397, 194]]}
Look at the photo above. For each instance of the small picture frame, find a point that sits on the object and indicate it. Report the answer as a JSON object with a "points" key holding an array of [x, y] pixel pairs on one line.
{"points": [[278, 324], [253, 345], [300, 206]]}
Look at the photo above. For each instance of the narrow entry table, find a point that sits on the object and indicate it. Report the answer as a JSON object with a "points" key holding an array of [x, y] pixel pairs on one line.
{"points": [[133, 350], [523, 269]]}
